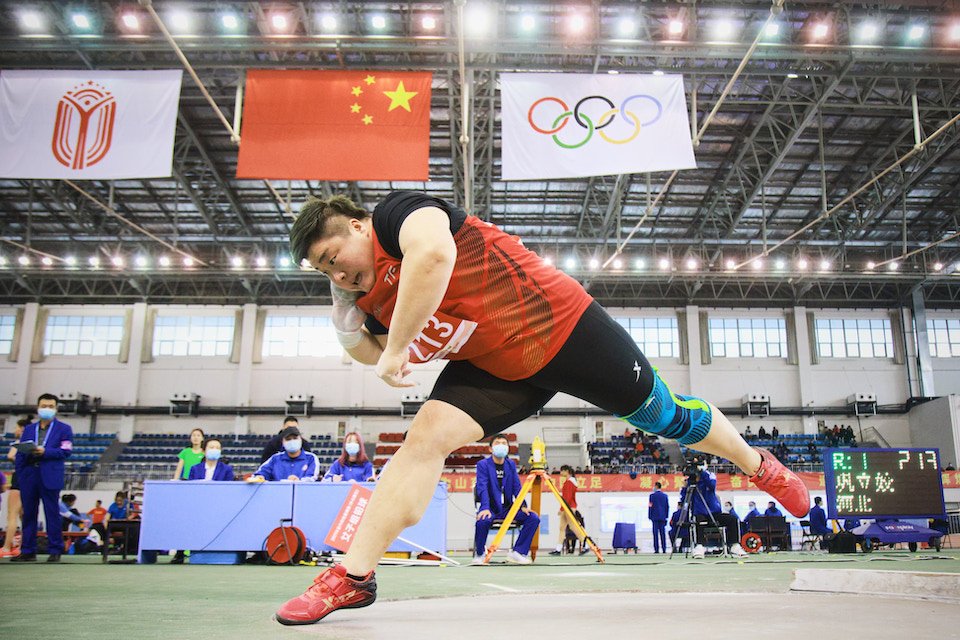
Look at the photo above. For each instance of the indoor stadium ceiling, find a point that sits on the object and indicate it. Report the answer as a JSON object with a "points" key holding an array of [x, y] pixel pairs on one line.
{"points": [[821, 107]]}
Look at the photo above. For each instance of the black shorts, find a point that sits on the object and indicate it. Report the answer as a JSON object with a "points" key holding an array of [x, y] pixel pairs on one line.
{"points": [[599, 363]]}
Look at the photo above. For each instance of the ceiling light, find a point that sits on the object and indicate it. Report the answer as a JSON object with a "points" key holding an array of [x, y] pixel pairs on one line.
{"points": [[164, 261], [802, 264], [31, 20], [378, 22], [612, 72], [773, 29], [187, 261], [130, 21], [80, 21], [180, 21], [570, 263], [664, 264], [577, 24], [229, 21], [627, 27], [93, 261], [594, 263], [657, 72], [780, 264], [675, 27], [429, 23], [71, 261], [871, 264], [955, 32], [527, 23], [820, 30], [824, 265], [937, 266], [47, 261], [261, 261], [284, 261], [731, 264], [757, 264], [868, 31], [117, 261], [916, 32], [640, 264], [236, 261], [792, 76], [3, 261], [24, 261], [548, 260], [691, 263], [723, 30], [478, 19], [618, 263], [279, 21], [141, 261], [893, 266], [328, 22]]}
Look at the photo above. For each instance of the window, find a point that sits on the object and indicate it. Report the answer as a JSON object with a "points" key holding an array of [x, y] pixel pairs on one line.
{"points": [[193, 336], [748, 338], [83, 335], [8, 323], [854, 338], [656, 337], [292, 336], [943, 335]]}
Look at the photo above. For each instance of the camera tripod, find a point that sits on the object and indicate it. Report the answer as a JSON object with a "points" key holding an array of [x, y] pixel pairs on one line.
{"points": [[684, 521], [535, 482]]}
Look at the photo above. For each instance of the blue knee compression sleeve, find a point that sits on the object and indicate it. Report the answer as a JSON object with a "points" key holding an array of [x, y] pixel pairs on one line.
{"points": [[684, 419]]}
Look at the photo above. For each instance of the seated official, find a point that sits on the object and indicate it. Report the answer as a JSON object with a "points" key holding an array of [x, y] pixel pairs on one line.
{"points": [[705, 508], [497, 487], [772, 510], [120, 509], [818, 519], [292, 464], [212, 467], [753, 513], [677, 531], [275, 444], [353, 464]]}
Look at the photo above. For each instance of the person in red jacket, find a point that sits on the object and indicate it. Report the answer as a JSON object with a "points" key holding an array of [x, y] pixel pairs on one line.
{"points": [[420, 280], [568, 491]]}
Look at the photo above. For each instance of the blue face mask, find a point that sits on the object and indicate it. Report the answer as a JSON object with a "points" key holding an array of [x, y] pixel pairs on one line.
{"points": [[500, 450], [213, 454], [46, 414], [292, 446], [352, 448]]}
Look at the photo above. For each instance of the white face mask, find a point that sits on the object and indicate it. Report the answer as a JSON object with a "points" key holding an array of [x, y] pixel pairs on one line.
{"points": [[292, 446], [500, 450]]}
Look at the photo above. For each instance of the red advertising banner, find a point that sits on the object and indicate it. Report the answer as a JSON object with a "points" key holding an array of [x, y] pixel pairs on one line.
{"points": [[622, 482], [344, 527]]}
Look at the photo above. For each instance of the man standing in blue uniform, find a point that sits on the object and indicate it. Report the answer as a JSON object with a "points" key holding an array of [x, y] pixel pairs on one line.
{"points": [[818, 519], [497, 486], [658, 510], [40, 471]]}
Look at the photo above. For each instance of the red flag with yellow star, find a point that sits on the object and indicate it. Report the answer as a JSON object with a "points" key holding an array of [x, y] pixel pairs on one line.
{"points": [[335, 125]]}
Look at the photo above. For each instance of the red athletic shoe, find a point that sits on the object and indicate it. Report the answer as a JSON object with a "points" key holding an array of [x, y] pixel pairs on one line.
{"points": [[331, 590], [782, 484]]}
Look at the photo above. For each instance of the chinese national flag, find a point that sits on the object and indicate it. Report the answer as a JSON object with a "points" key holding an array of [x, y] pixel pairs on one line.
{"points": [[335, 125]]}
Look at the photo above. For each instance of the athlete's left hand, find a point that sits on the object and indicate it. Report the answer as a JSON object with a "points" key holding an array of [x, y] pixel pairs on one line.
{"points": [[393, 367]]}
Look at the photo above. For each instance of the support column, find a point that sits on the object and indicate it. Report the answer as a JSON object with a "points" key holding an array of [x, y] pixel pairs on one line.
{"points": [[248, 326], [130, 388], [693, 348], [922, 342], [20, 378], [805, 367]]}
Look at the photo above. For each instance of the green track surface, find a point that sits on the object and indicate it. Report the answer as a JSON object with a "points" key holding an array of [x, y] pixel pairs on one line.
{"points": [[83, 598]]}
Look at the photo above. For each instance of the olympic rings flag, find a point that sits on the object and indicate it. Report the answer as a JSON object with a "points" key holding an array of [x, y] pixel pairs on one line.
{"points": [[569, 125], [85, 125]]}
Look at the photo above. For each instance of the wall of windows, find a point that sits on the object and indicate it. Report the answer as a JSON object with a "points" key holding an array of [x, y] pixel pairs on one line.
{"points": [[8, 323], [656, 337], [83, 335], [943, 335], [854, 338], [748, 338], [293, 336], [193, 335]]}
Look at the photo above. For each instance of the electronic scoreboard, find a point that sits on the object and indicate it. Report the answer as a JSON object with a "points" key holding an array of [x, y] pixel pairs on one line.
{"points": [[883, 483]]}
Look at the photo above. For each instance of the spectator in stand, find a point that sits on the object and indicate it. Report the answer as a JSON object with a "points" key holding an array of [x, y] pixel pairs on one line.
{"points": [[353, 464], [762, 433], [568, 491], [772, 510], [120, 509], [628, 433], [658, 508], [14, 506], [818, 519], [212, 468], [497, 487], [949, 467], [189, 456], [275, 444], [578, 471], [40, 472], [775, 433], [748, 433], [753, 513], [293, 463]]}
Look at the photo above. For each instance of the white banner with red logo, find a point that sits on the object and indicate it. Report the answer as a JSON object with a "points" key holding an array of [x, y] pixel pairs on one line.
{"points": [[570, 125], [88, 124]]}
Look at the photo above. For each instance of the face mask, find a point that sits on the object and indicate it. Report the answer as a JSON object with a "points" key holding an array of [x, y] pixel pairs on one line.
{"points": [[213, 454], [500, 450], [292, 446], [727, 509], [352, 448], [46, 414]]}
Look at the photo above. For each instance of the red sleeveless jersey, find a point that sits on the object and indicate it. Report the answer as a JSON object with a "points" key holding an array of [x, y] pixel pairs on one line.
{"points": [[505, 309]]}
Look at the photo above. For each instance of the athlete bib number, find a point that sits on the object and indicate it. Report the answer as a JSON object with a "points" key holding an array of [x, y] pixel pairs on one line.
{"points": [[442, 336]]}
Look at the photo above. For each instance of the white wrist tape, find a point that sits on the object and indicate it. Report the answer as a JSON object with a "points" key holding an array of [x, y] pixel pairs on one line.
{"points": [[349, 339]]}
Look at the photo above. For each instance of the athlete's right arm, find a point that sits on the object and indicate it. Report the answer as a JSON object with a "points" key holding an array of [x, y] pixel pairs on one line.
{"points": [[368, 350], [348, 321]]}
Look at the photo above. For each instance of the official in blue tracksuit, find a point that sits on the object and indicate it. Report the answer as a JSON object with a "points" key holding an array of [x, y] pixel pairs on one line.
{"points": [[40, 473], [658, 510], [751, 515], [212, 467], [676, 531], [705, 506], [818, 519], [293, 463], [497, 487], [772, 510]]}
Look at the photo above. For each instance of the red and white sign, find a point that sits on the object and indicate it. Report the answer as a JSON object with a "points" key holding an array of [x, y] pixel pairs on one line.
{"points": [[345, 525], [88, 124]]}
